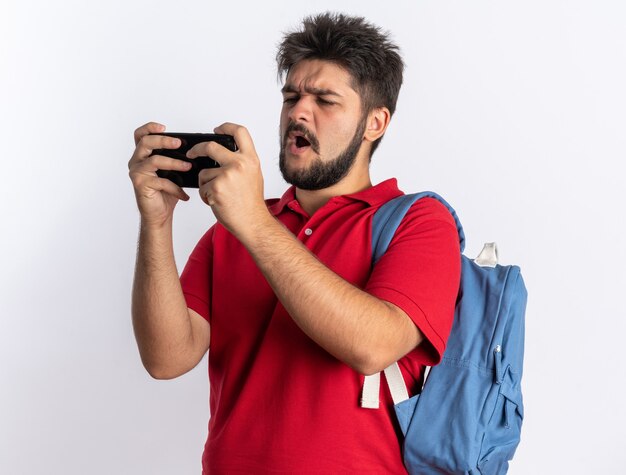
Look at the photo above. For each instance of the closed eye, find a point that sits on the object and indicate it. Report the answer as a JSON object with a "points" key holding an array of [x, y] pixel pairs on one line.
{"points": [[325, 102], [319, 100]]}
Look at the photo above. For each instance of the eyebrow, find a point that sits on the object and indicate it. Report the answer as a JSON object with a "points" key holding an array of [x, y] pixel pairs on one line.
{"points": [[289, 88]]}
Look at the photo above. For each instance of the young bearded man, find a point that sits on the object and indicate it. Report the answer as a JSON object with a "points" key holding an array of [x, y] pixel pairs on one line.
{"points": [[283, 291]]}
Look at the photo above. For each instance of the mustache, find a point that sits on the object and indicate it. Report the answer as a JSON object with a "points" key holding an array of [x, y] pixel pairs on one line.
{"points": [[308, 135]]}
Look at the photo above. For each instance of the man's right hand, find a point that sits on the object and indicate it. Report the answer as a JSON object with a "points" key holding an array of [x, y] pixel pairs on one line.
{"points": [[156, 197], [171, 338]]}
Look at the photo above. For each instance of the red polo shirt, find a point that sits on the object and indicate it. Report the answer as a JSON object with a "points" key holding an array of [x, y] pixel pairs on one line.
{"points": [[279, 402]]}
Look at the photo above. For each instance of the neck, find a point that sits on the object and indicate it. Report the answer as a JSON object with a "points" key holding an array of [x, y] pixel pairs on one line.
{"points": [[312, 200]]}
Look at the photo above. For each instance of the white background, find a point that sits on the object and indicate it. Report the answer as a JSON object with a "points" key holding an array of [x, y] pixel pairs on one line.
{"points": [[514, 111]]}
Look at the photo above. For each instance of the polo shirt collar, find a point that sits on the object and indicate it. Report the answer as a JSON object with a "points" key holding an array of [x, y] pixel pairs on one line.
{"points": [[374, 196], [287, 201], [378, 194]]}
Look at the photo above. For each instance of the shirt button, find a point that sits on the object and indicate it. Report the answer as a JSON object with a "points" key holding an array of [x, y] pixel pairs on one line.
{"points": [[308, 231]]}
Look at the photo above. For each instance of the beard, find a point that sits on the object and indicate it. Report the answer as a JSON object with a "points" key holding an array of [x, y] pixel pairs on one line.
{"points": [[320, 174]]}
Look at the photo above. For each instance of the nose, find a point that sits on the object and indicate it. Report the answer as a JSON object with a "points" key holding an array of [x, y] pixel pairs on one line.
{"points": [[300, 111]]}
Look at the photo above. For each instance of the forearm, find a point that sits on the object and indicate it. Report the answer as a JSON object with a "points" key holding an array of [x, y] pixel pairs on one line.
{"points": [[161, 320], [354, 326], [357, 328]]}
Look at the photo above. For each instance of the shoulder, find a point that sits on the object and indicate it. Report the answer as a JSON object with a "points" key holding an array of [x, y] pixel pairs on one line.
{"points": [[431, 212]]}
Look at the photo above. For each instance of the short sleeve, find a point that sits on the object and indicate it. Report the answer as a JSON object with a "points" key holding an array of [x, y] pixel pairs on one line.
{"points": [[420, 273], [196, 278]]}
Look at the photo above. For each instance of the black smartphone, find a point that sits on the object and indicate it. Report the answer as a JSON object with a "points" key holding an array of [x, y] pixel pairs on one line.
{"points": [[189, 179]]}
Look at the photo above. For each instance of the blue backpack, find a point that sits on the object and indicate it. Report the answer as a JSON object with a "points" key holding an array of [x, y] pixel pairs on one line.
{"points": [[468, 417]]}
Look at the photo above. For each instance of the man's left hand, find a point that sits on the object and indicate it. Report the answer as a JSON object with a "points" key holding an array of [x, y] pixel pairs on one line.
{"points": [[234, 191]]}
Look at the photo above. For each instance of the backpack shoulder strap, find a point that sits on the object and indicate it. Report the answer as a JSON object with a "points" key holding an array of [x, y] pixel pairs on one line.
{"points": [[384, 225], [389, 216]]}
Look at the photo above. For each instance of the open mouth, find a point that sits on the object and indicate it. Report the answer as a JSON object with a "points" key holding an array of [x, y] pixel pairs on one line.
{"points": [[301, 142], [298, 139]]}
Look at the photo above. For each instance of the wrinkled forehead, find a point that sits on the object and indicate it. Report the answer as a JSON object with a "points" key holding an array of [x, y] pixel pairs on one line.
{"points": [[315, 74]]}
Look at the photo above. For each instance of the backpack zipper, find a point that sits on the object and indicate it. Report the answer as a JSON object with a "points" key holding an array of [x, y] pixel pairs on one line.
{"points": [[498, 359]]}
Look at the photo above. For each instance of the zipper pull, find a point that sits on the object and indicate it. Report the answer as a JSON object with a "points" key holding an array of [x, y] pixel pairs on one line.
{"points": [[498, 358]]}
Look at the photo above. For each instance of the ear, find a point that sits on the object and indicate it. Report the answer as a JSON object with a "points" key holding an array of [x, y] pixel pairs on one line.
{"points": [[377, 122]]}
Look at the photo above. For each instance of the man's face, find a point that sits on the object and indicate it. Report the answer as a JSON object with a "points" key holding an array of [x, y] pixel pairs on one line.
{"points": [[321, 125]]}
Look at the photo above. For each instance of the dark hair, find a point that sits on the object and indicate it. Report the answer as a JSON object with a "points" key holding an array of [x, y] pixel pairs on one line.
{"points": [[373, 61]]}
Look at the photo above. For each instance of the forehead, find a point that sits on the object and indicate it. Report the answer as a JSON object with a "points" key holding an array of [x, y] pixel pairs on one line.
{"points": [[315, 74]]}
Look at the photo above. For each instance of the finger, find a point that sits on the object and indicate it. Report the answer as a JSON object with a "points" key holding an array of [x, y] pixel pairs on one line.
{"points": [[207, 175], [153, 163], [149, 128], [208, 199], [240, 133], [160, 162], [215, 150], [205, 195], [145, 171], [166, 186], [148, 143]]}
